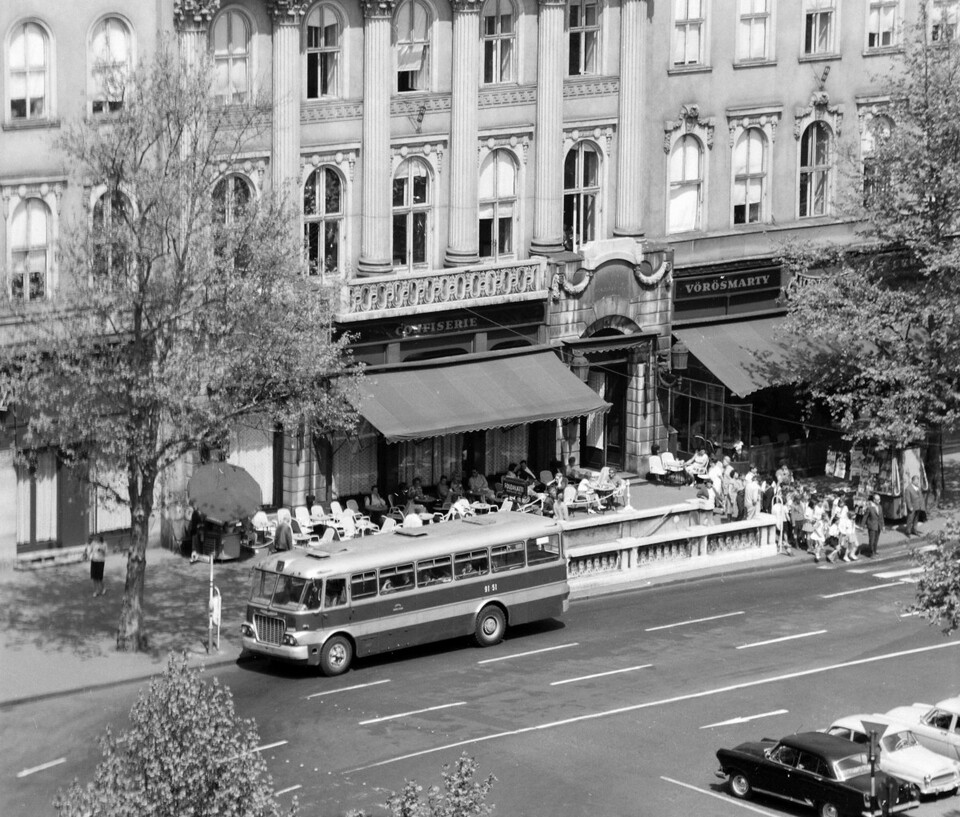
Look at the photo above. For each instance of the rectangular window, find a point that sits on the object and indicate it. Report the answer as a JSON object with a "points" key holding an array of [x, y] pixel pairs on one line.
{"points": [[363, 585], [396, 579], [434, 571], [471, 564], [881, 23], [583, 30], [944, 18], [543, 549], [507, 557], [486, 231], [688, 29], [419, 238], [752, 30], [818, 27]]}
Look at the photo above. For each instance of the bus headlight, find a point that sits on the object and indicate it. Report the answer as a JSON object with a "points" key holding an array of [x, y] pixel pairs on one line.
{"points": [[289, 640], [247, 630]]}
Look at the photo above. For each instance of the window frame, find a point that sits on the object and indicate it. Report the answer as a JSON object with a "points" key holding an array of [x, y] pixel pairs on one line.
{"points": [[323, 218], [872, 183], [688, 23], [746, 177], [815, 171], [582, 31], [338, 50], [500, 201], [48, 116], [675, 184], [425, 84], [580, 190], [409, 209], [768, 30], [949, 8], [816, 8], [895, 27], [97, 94], [25, 204], [104, 199], [234, 98], [496, 40]]}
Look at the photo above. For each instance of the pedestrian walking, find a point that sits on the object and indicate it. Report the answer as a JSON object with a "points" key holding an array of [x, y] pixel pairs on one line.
{"points": [[915, 504], [283, 536], [97, 553], [873, 522]]}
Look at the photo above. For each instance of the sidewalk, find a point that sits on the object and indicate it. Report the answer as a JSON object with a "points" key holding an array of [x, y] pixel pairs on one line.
{"points": [[56, 637]]}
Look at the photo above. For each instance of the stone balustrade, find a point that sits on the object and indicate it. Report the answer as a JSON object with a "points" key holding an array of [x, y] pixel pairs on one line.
{"points": [[392, 295]]}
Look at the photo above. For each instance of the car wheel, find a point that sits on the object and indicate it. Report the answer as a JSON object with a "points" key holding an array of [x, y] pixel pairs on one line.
{"points": [[828, 810], [336, 656], [740, 786], [491, 625]]}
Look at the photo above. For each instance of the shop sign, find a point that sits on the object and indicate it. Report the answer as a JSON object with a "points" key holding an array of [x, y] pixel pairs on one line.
{"points": [[423, 328], [731, 283]]}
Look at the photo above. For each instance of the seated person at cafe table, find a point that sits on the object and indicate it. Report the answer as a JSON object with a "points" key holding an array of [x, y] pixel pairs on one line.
{"points": [[697, 465], [524, 472], [375, 505], [479, 489]]}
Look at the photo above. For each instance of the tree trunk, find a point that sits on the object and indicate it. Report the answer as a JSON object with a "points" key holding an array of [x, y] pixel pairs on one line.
{"points": [[131, 635]]}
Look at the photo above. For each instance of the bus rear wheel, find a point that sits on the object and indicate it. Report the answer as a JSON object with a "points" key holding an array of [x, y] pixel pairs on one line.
{"points": [[491, 625], [336, 655]]}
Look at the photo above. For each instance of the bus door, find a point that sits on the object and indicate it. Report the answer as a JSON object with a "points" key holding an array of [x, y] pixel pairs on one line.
{"points": [[399, 601], [363, 612]]}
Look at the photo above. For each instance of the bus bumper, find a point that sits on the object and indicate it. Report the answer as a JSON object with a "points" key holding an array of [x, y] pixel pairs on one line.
{"points": [[299, 654]]}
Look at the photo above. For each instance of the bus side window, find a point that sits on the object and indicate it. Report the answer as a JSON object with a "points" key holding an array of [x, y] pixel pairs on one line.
{"points": [[434, 571], [311, 599], [543, 549], [396, 579], [336, 593], [363, 585], [473, 563], [507, 557]]}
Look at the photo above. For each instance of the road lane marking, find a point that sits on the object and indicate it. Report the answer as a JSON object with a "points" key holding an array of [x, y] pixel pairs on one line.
{"points": [[530, 652], [898, 574], [725, 799], [746, 718], [862, 590], [41, 767], [287, 791], [910, 614], [414, 712], [257, 749], [692, 621], [598, 675], [778, 640], [347, 689], [649, 704]]}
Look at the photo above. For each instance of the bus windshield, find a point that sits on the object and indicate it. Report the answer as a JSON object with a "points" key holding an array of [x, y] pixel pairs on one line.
{"points": [[277, 590]]}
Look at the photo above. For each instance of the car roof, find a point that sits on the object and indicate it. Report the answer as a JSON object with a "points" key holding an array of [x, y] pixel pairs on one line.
{"points": [[857, 721], [831, 747], [953, 704]]}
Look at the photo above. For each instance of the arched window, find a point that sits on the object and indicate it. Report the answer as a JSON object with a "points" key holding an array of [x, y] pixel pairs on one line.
{"points": [[412, 27], [231, 195], [498, 204], [499, 41], [815, 170], [111, 244], [749, 177], [583, 31], [231, 56], [686, 185], [28, 63], [412, 202], [111, 60], [30, 250], [876, 177], [323, 221], [581, 195], [323, 52]]}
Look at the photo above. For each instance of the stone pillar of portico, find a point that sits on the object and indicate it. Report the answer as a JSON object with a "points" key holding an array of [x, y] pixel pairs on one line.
{"points": [[285, 159], [463, 244], [192, 20], [633, 51], [548, 205], [375, 148]]}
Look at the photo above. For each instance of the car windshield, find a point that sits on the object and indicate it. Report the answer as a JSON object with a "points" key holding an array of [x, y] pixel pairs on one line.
{"points": [[895, 741], [852, 766]]}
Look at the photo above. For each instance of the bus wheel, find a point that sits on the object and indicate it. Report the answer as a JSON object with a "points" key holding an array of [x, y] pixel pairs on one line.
{"points": [[491, 625], [336, 656]]}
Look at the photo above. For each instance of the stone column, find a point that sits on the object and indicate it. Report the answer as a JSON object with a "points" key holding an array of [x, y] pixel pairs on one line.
{"points": [[285, 159], [633, 52], [551, 69], [375, 231], [463, 244], [192, 21]]}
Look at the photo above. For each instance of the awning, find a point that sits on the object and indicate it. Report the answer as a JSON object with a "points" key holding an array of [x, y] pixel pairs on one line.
{"points": [[745, 356], [451, 398], [604, 343]]}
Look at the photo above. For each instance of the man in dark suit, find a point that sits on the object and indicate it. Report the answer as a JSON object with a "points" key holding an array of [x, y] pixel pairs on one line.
{"points": [[914, 502], [873, 522]]}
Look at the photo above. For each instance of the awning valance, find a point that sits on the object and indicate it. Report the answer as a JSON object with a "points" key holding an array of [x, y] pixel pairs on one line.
{"points": [[604, 343], [451, 398], [745, 356]]}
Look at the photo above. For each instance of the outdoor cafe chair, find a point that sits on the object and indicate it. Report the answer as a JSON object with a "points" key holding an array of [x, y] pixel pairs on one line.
{"points": [[302, 515], [318, 514], [302, 538], [388, 524], [363, 523]]}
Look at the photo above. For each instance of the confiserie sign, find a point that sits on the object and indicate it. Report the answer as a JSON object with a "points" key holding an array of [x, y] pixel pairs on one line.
{"points": [[731, 283]]}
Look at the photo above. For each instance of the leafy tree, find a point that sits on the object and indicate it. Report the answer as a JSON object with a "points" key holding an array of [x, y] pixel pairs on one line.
{"points": [[884, 315], [183, 310], [186, 753], [938, 588]]}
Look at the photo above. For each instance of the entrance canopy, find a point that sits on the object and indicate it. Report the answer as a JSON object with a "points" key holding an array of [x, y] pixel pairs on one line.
{"points": [[455, 397], [745, 356]]}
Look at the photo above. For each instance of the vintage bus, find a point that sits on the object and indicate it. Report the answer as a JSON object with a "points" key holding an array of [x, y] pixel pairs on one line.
{"points": [[324, 605]]}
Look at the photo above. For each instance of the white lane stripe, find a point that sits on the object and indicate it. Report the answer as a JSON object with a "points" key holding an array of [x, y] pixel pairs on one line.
{"points": [[778, 640], [862, 590], [414, 712], [909, 615], [346, 689], [41, 767], [287, 791], [692, 621], [746, 718], [897, 574], [257, 749], [598, 675], [725, 799], [529, 652], [636, 707]]}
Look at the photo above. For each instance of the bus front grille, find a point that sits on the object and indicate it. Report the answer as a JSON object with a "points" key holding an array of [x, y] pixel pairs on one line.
{"points": [[269, 630]]}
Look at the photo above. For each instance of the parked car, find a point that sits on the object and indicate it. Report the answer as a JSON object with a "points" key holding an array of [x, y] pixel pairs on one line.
{"points": [[901, 754], [827, 772], [936, 727]]}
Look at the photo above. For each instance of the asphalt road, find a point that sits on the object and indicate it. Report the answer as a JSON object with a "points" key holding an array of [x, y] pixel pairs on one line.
{"points": [[615, 710]]}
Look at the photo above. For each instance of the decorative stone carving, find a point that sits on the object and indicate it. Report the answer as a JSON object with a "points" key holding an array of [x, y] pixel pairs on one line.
{"points": [[602, 136], [766, 120], [287, 12], [818, 109], [689, 121], [592, 87], [517, 144], [346, 161], [194, 12], [497, 96], [655, 276], [378, 8]]}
